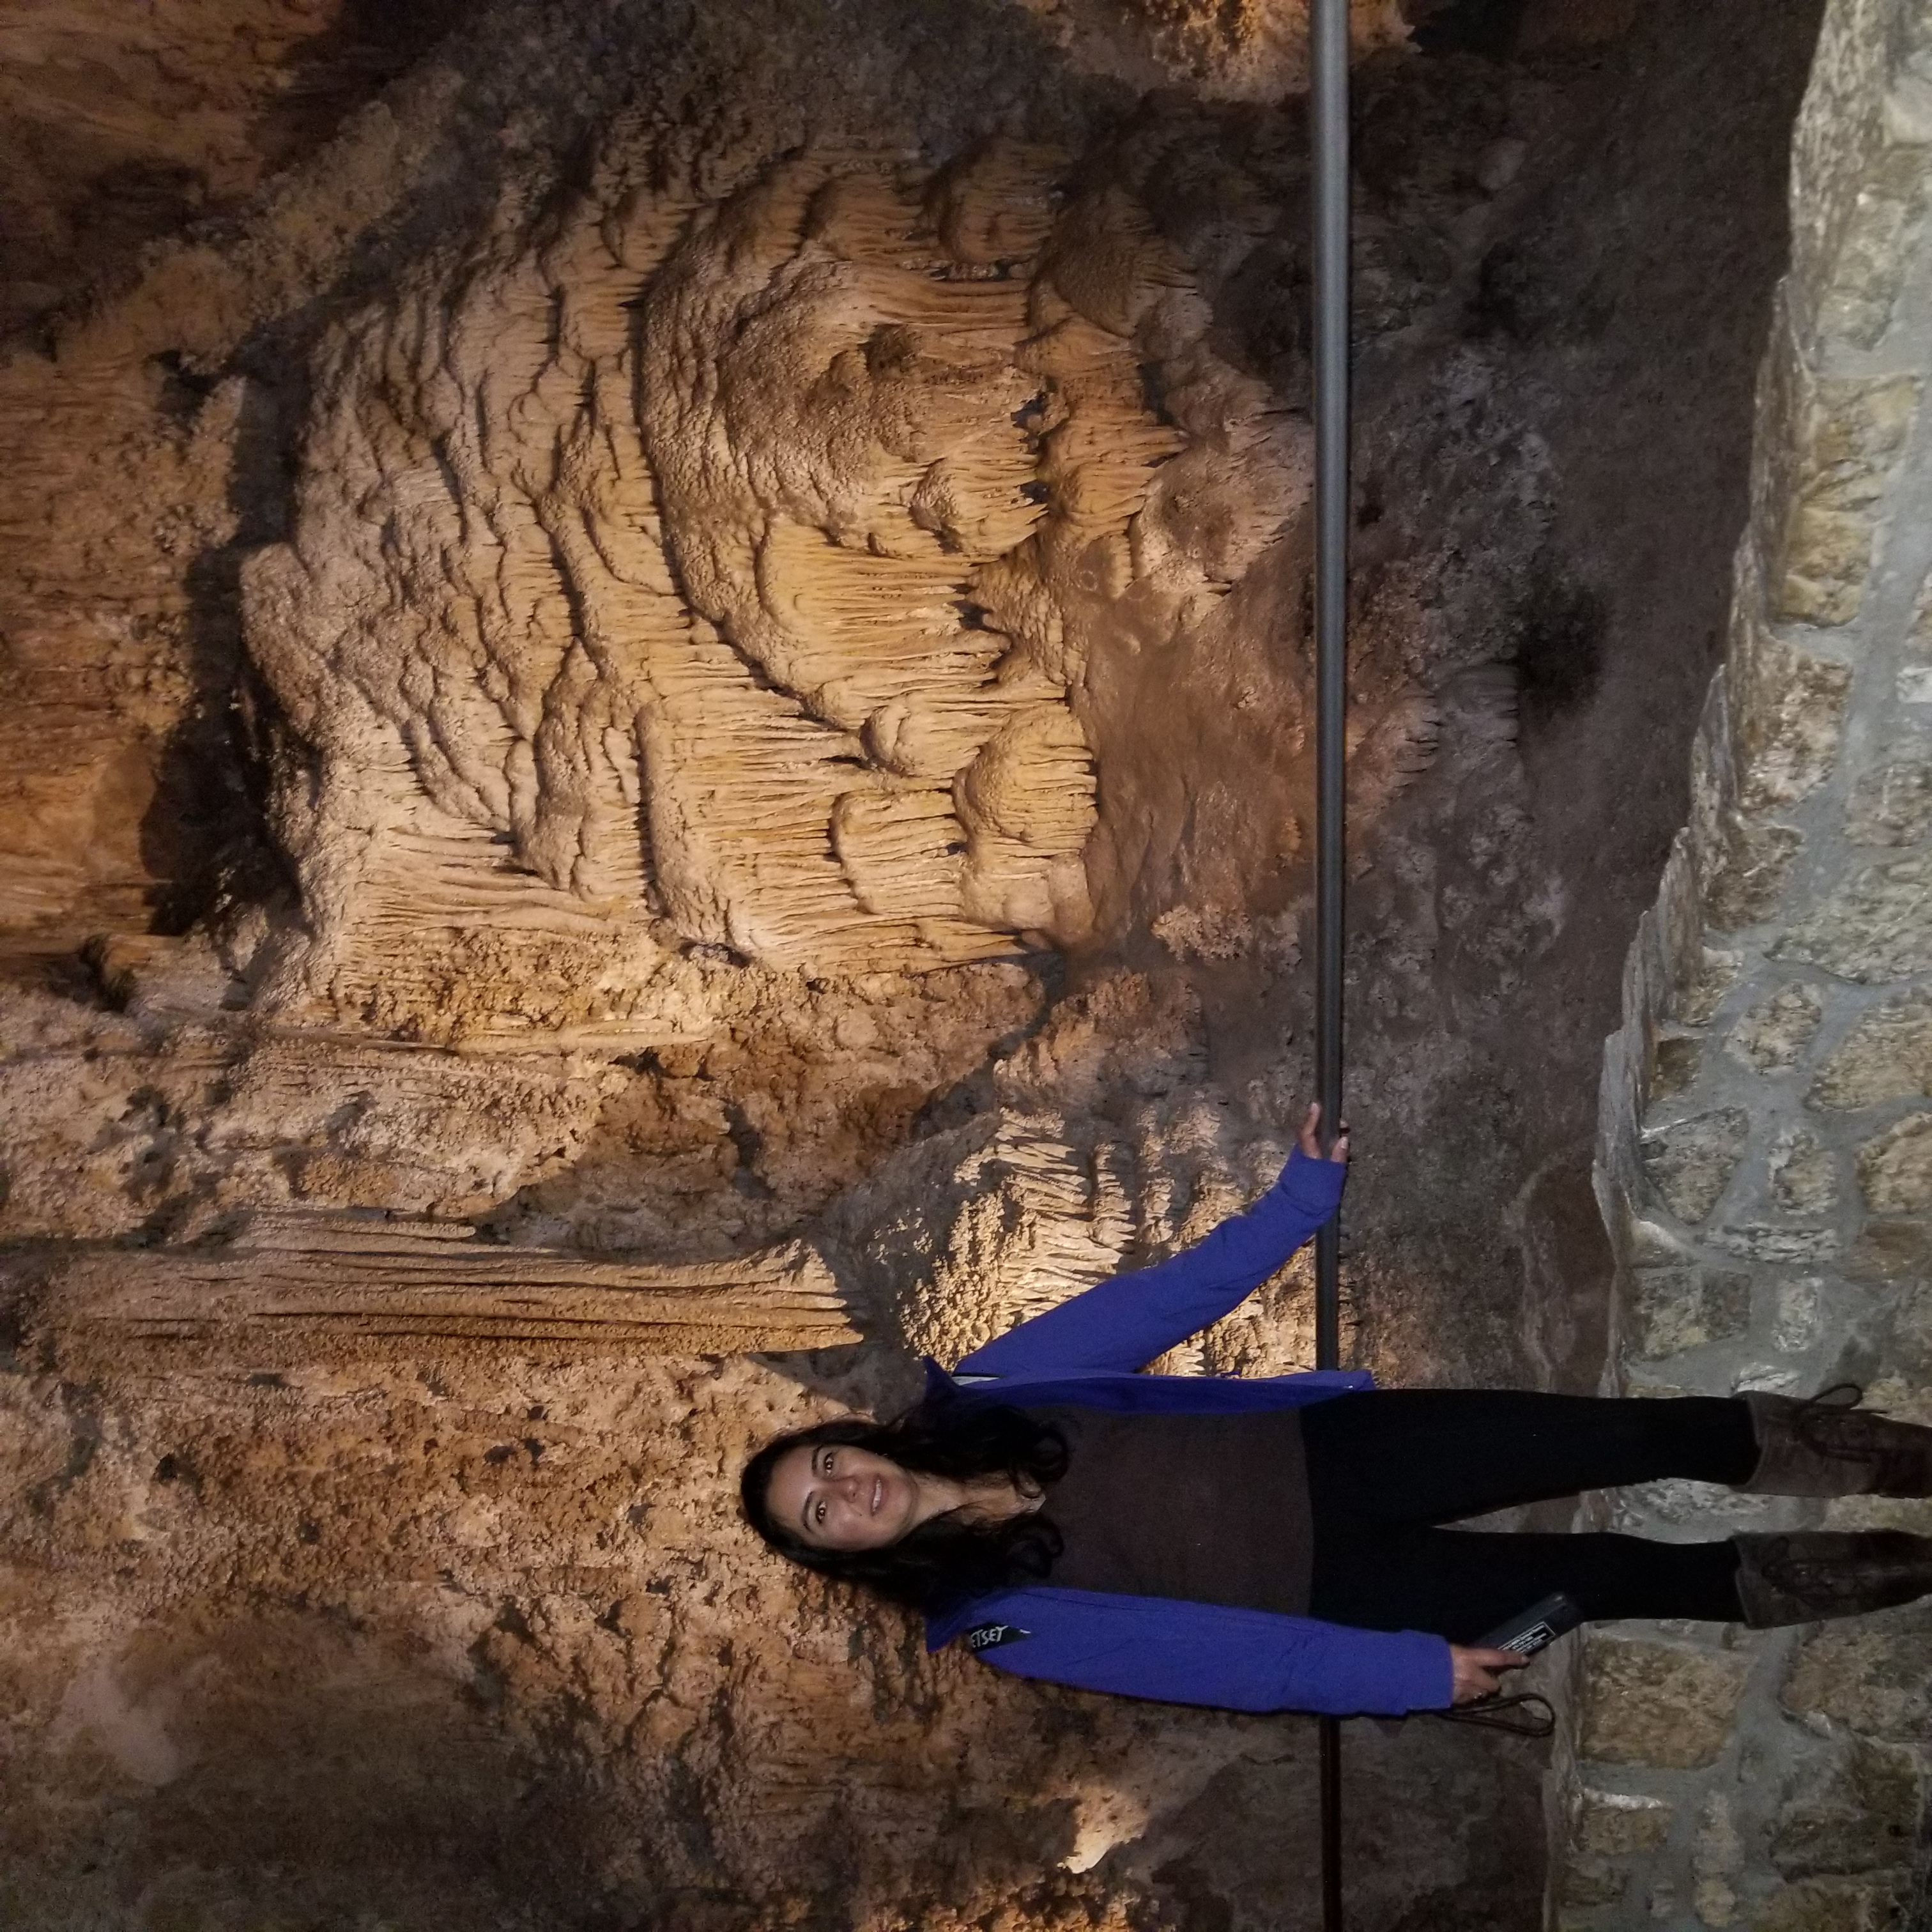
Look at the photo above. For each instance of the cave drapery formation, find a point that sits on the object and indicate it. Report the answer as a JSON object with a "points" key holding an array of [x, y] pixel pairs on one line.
{"points": [[657, 756]]}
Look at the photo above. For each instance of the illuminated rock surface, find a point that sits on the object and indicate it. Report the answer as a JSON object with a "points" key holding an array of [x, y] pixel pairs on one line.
{"points": [[657, 715]]}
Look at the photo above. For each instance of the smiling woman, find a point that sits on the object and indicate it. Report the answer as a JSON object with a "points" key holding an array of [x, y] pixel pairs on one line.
{"points": [[936, 1503], [1279, 1543], [848, 1498]]}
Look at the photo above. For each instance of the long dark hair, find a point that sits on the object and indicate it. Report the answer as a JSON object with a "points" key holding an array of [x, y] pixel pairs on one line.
{"points": [[944, 1561]]}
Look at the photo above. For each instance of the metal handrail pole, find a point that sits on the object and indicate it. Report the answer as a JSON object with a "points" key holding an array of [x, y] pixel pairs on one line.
{"points": [[1329, 113], [1330, 92]]}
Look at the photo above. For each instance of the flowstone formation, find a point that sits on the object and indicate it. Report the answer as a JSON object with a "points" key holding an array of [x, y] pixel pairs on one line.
{"points": [[721, 562], [655, 757]]}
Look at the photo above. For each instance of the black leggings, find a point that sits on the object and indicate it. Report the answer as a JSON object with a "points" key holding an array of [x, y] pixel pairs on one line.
{"points": [[1387, 1468]]}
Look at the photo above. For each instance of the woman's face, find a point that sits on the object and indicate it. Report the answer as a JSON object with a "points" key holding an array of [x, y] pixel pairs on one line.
{"points": [[839, 1497]]}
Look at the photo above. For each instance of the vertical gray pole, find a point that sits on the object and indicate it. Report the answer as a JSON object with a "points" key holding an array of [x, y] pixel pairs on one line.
{"points": [[1329, 103], [1330, 19]]}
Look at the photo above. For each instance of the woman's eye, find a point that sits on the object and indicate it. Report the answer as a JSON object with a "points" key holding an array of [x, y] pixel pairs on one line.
{"points": [[818, 1514]]}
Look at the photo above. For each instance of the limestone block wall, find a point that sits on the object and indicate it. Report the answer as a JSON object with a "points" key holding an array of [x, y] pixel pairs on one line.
{"points": [[1765, 1153]]}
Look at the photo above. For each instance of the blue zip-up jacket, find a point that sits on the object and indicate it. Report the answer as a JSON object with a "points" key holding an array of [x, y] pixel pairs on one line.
{"points": [[1085, 1351]]}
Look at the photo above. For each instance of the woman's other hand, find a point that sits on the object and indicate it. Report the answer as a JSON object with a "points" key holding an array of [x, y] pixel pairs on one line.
{"points": [[1309, 1138], [1476, 1673]]}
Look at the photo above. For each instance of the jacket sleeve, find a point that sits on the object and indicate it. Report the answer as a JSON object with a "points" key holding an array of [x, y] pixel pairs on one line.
{"points": [[1125, 1322], [1234, 1660]]}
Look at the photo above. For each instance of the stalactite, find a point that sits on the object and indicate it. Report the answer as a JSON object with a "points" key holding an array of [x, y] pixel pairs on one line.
{"points": [[296, 1287]]}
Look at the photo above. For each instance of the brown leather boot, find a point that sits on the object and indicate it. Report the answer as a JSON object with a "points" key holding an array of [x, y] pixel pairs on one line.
{"points": [[1828, 1447], [1808, 1574]]}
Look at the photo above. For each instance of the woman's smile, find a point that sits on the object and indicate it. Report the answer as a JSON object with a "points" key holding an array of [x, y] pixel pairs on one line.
{"points": [[842, 1497]]}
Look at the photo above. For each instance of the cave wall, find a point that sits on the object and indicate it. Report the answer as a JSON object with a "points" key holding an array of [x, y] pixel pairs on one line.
{"points": [[1759, 1154], [116, 130], [657, 717]]}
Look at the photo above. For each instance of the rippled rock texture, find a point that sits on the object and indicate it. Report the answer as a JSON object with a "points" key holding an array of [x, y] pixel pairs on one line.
{"points": [[656, 754]]}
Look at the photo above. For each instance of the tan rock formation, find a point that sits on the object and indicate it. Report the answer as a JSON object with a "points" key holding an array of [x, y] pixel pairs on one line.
{"points": [[722, 565], [321, 1287], [657, 711], [116, 128], [1256, 51]]}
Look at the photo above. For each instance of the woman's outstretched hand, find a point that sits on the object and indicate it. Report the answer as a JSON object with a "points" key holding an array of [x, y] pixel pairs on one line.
{"points": [[1309, 1138], [1476, 1672]]}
